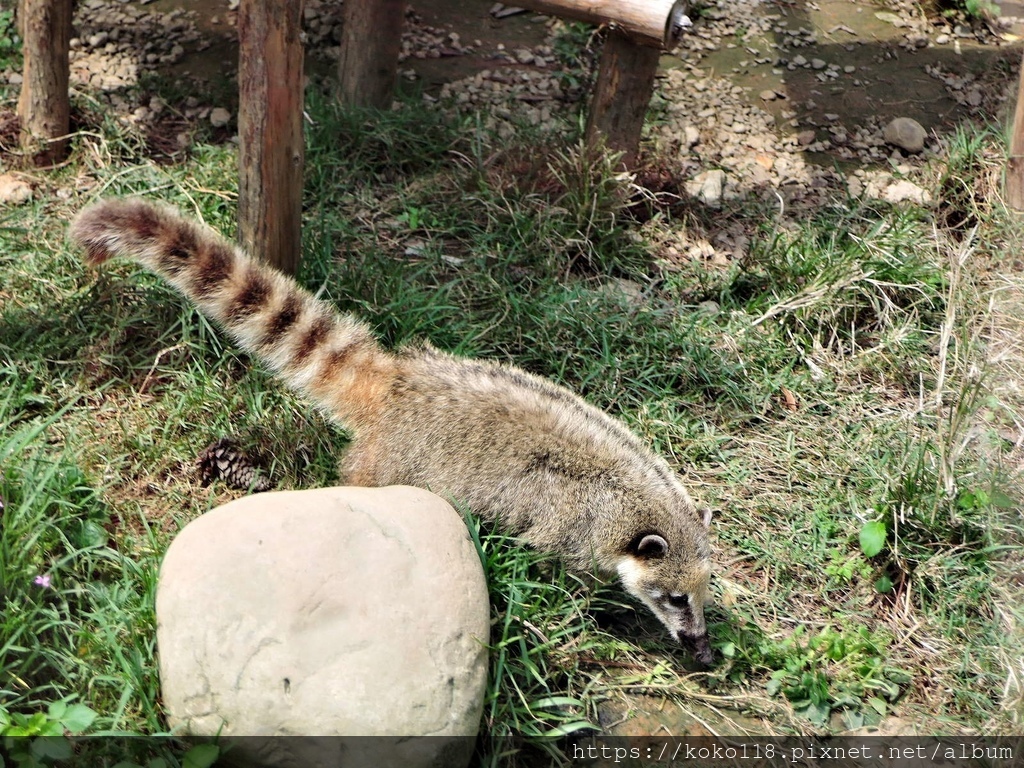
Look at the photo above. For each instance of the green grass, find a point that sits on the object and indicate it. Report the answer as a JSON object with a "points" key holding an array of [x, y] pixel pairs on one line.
{"points": [[836, 389]]}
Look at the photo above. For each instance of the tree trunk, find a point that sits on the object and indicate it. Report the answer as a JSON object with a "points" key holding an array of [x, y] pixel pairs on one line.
{"points": [[43, 106], [271, 151], [371, 39], [625, 82]]}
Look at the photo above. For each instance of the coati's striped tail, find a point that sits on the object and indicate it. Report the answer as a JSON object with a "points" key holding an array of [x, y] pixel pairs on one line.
{"points": [[333, 358]]}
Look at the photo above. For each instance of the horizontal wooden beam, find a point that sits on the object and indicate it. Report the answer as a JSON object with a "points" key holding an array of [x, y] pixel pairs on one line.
{"points": [[656, 23]]}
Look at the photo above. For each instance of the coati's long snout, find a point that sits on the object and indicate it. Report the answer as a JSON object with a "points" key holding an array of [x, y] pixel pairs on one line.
{"points": [[700, 647], [548, 467]]}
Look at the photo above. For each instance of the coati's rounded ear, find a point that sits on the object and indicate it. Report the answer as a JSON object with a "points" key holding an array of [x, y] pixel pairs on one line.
{"points": [[651, 545], [706, 513]]}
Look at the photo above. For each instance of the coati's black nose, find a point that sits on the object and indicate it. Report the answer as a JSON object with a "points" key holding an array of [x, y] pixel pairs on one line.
{"points": [[700, 647]]}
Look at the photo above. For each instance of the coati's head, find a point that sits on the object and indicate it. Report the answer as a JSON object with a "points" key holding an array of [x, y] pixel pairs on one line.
{"points": [[666, 566]]}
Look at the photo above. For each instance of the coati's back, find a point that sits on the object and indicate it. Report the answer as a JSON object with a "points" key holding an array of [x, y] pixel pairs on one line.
{"points": [[544, 464]]}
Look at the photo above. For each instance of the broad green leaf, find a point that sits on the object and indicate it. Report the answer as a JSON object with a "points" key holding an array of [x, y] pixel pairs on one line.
{"points": [[878, 705], [51, 748], [77, 718], [872, 538], [201, 756]]}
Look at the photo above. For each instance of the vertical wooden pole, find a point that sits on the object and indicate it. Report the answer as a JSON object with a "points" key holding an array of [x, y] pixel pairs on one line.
{"points": [[43, 105], [625, 83], [271, 148], [371, 40], [1015, 164]]}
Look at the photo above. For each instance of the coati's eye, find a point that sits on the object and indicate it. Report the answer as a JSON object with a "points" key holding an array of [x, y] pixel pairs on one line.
{"points": [[679, 601], [649, 545]]}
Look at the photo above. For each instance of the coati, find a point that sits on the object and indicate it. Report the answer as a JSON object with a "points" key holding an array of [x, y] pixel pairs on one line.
{"points": [[552, 470]]}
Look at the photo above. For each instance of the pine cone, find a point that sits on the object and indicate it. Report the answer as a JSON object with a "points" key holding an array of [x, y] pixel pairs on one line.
{"points": [[223, 459]]}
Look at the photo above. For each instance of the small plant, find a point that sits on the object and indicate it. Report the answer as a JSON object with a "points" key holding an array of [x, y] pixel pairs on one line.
{"points": [[38, 740], [10, 41], [980, 9], [836, 670]]}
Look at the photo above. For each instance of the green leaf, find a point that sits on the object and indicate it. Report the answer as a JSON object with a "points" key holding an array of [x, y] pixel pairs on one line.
{"points": [[51, 748], [884, 585], [853, 719], [872, 538], [566, 728], [816, 713], [1002, 500], [728, 650], [89, 535], [201, 756], [77, 718], [878, 705]]}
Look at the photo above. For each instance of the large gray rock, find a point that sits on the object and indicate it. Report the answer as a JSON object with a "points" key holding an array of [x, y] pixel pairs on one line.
{"points": [[329, 612], [905, 133]]}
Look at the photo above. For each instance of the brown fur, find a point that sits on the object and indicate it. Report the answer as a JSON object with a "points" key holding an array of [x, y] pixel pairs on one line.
{"points": [[542, 463]]}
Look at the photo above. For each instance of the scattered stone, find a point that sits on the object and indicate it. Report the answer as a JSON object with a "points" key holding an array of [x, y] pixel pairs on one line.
{"points": [[768, 95], [335, 611], [708, 187], [891, 18], [14, 191], [501, 11], [219, 117], [805, 138], [620, 288], [904, 191], [905, 133]]}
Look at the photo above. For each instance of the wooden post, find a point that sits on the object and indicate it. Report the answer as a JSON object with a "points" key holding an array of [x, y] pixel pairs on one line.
{"points": [[271, 147], [649, 22], [371, 41], [43, 105], [1015, 164], [625, 82]]}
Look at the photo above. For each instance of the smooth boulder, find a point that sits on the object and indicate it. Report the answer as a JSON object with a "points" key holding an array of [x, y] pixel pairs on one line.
{"points": [[333, 612]]}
